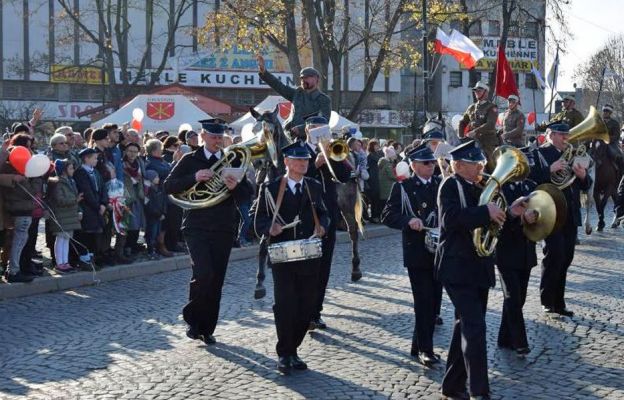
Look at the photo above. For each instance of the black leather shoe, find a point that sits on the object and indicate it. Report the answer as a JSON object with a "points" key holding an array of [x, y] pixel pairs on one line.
{"points": [[456, 395], [192, 333], [298, 363], [19, 278], [284, 365], [320, 323], [565, 312], [208, 338], [428, 359]]}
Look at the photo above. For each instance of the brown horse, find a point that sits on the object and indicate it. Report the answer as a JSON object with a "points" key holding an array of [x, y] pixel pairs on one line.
{"points": [[605, 184]]}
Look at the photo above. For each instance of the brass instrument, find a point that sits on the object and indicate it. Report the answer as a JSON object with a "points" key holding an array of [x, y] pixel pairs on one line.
{"points": [[213, 191], [592, 128], [511, 165], [336, 150], [550, 205]]}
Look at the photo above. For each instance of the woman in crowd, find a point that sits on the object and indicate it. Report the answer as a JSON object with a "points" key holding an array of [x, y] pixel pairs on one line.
{"points": [[372, 184], [135, 196], [170, 146], [387, 176], [155, 162]]}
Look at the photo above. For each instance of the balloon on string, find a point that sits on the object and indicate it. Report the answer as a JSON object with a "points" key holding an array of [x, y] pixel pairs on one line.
{"points": [[402, 169], [136, 125], [19, 157], [138, 114], [455, 121], [531, 117], [37, 166]]}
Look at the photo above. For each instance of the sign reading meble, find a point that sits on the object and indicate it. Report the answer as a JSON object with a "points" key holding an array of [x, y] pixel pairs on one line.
{"points": [[522, 53]]}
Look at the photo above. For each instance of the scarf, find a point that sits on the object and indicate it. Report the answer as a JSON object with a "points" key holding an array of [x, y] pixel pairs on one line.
{"points": [[132, 169]]}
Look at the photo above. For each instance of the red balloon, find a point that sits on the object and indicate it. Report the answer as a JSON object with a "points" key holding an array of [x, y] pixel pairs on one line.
{"points": [[19, 157], [531, 117], [136, 125]]}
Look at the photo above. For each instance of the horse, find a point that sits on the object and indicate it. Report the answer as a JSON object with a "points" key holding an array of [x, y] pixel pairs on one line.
{"points": [[438, 122], [605, 184]]}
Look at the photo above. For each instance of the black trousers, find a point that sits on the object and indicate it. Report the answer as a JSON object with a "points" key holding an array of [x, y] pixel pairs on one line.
{"points": [[328, 244], [467, 358], [294, 292], [210, 253], [28, 252], [512, 332], [558, 255], [423, 291], [437, 297]]}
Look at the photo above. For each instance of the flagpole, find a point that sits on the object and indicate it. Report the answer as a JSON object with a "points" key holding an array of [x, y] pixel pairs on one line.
{"points": [[600, 87]]}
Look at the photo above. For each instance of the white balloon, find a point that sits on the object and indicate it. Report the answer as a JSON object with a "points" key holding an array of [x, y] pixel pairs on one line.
{"points": [[38, 165], [455, 121], [403, 169], [138, 114]]}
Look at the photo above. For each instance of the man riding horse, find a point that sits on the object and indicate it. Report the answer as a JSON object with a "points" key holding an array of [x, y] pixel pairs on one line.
{"points": [[613, 126]]}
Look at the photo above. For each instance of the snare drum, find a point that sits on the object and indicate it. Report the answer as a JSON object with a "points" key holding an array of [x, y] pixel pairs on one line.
{"points": [[432, 238], [295, 250]]}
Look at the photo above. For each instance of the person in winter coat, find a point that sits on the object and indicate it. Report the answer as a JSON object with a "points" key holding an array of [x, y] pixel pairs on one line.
{"points": [[155, 209], [63, 199], [135, 196], [154, 161]]}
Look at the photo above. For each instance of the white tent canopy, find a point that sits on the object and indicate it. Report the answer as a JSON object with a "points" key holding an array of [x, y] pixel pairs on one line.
{"points": [[162, 112], [336, 121]]}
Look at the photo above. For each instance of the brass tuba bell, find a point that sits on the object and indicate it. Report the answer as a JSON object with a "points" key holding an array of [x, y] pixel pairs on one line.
{"points": [[511, 165], [592, 128], [213, 191], [336, 150]]}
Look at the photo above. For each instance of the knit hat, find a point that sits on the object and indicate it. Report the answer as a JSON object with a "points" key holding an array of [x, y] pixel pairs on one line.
{"points": [[150, 175], [61, 165]]}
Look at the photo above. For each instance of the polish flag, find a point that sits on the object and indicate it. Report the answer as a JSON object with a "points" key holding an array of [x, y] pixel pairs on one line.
{"points": [[458, 46]]}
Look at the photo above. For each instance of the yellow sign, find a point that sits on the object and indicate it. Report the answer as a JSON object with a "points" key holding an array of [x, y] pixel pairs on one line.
{"points": [[488, 64], [77, 74]]}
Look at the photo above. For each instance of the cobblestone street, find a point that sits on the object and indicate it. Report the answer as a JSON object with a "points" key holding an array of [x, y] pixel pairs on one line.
{"points": [[126, 339]]}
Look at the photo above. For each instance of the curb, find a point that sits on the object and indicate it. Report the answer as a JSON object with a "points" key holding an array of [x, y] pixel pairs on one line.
{"points": [[58, 283]]}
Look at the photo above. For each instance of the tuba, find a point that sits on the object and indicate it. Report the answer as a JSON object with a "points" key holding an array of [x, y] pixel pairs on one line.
{"points": [[592, 128], [511, 165], [213, 191]]}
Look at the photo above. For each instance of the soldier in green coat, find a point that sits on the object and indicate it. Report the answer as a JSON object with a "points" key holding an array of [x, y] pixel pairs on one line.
{"points": [[513, 123], [613, 126], [569, 115], [479, 123], [307, 100]]}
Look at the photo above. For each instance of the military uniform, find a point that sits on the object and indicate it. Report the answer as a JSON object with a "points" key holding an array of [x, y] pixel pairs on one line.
{"points": [[515, 256], [415, 197], [466, 278], [513, 128], [613, 126], [304, 104], [481, 117], [572, 117], [559, 248]]}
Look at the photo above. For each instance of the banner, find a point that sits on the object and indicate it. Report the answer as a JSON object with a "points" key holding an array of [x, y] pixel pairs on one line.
{"points": [[76, 74], [521, 53]]}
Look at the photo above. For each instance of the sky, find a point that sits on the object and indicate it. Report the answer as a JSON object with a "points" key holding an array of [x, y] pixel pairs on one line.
{"points": [[592, 22]]}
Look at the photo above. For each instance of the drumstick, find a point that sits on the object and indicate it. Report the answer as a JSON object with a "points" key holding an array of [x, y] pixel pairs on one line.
{"points": [[296, 222]]}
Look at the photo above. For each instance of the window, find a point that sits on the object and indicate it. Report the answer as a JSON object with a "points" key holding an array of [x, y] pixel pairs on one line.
{"points": [[529, 81], [475, 29], [514, 30], [530, 30], [455, 79], [474, 78], [493, 28]]}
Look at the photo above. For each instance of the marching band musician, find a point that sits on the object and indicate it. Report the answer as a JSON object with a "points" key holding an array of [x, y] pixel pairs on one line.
{"points": [[320, 171], [466, 276], [412, 207], [280, 202], [209, 232], [559, 249], [515, 257]]}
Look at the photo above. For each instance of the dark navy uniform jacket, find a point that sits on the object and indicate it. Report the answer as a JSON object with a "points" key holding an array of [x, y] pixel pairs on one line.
{"points": [[456, 260], [423, 201]]}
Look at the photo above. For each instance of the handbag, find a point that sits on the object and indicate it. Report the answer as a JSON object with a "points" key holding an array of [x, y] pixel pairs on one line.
{"points": [[295, 250]]}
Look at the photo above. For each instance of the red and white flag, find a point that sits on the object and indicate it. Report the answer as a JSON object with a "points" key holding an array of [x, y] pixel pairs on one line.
{"points": [[459, 46]]}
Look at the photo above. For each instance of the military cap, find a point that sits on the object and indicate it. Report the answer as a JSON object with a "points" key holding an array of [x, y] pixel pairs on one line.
{"points": [[559, 127], [513, 97], [189, 134], [316, 120], [99, 134], [481, 85], [468, 151], [421, 153], [607, 107], [87, 152], [569, 97], [214, 126], [309, 71], [296, 150], [434, 134], [161, 134]]}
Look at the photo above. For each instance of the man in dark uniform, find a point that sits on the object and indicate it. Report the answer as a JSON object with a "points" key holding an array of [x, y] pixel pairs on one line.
{"points": [[412, 208], [513, 123], [307, 100], [515, 257], [613, 126], [559, 249], [569, 115], [296, 282], [466, 276], [479, 123], [320, 171], [209, 232]]}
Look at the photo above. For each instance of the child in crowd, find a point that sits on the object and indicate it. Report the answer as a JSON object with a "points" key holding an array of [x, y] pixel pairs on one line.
{"points": [[155, 208], [63, 198]]}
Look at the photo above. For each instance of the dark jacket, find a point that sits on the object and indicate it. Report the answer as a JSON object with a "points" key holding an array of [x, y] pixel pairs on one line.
{"points": [[162, 167], [62, 198], [456, 260], [373, 173], [289, 210], [104, 165], [422, 199], [219, 218], [540, 173], [18, 200], [93, 197], [7, 182], [304, 104], [156, 205], [514, 250]]}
